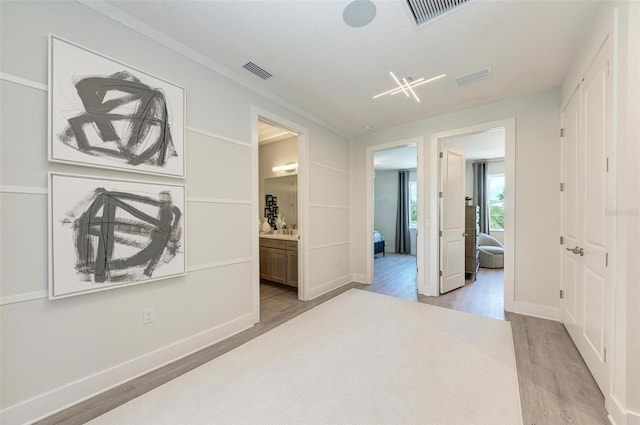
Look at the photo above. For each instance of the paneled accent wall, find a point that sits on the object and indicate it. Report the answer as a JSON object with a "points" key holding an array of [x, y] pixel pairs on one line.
{"points": [[55, 353]]}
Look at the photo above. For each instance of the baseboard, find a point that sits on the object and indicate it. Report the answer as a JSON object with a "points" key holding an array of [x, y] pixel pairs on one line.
{"points": [[535, 310], [360, 278], [617, 413], [329, 286], [72, 393]]}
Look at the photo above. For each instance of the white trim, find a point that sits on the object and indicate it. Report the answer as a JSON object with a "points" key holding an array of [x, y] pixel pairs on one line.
{"points": [[169, 42], [618, 415], [536, 310], [360, 278], [20, 298], [219, 264], [328, 245], [509, 124], [329, 286], [82, 389], [205, 200], [218, 136], [317, 164], [329, 206], [23, 81], [24, 190], [369, 189]]}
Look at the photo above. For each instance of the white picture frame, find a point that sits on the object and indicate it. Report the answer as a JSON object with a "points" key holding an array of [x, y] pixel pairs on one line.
{"points": [[107, 233], [106, 114]]}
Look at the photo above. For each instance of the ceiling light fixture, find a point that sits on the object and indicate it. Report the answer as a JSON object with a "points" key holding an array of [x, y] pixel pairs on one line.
{"points": [[407, 85], [411, 90], [285, 167]]}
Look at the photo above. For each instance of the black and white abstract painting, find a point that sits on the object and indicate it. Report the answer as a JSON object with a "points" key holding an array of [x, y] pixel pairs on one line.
{"points": [[103, 113], [106, 233]]}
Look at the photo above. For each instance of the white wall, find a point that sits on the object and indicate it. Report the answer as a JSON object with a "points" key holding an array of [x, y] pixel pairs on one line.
{"points": [[623, 400], [537, 122], [386, 207], [271, 155], [57, 352]]}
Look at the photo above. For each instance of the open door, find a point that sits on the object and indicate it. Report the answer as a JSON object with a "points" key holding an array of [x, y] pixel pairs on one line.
{"points": [[452, 192]]}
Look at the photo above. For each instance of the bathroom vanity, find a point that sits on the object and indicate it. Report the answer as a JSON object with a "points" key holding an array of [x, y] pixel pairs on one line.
{"points": [[279, 258]]}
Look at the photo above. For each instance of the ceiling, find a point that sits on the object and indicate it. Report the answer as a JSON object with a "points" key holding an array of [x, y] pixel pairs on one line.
{"points": [[404, 158], [332, 70], [485, 145], [269, 133]]}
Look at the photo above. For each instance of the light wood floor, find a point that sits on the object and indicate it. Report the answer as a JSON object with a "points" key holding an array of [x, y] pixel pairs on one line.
{"points": [[556, 387]]}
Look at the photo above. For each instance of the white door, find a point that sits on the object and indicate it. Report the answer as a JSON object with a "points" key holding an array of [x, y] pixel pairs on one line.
{"points": [[452, 191], [585, 277]]}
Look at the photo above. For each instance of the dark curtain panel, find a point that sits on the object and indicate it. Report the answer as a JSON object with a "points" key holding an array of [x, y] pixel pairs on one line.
{"points": [[481, 193], [403, 243]]}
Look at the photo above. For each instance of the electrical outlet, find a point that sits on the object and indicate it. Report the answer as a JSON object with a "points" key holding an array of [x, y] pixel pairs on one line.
{"points": [[148, 315]]}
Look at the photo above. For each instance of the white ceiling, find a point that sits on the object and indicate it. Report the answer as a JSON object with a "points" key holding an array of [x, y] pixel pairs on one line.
{"points": [[269, 133], [404, 158], [332, 70], [485, 145]]}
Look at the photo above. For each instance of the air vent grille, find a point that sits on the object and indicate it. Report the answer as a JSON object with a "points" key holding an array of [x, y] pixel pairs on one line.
{"points": [[425, 10], [482, 74], [255, 69]]}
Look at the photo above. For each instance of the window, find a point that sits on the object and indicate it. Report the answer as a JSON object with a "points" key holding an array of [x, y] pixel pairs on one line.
{"points": [[413, 205], [496, 202]]}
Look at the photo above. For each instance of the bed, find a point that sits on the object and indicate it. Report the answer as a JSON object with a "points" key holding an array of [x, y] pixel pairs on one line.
{"points": [[378, 243]]}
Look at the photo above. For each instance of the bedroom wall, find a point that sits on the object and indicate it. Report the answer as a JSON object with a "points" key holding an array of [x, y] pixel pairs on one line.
{"points": [[537, 121], [54, 353], [385, 205], [385, 208]]}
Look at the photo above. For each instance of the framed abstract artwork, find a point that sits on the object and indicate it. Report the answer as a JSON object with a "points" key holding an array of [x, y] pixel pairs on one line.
{"points": [[103, 113], [108, 233]]}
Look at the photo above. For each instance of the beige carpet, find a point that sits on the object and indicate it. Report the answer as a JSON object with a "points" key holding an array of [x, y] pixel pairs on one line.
{"points": [[360, 358]]}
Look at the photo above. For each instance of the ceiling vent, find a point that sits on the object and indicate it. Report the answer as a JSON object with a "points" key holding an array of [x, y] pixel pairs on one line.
{"points": [[424, 11], [476, 76], [255, 69]]}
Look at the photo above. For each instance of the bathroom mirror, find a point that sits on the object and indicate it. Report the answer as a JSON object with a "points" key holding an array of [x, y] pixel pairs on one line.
{"points": [[285, 190]]}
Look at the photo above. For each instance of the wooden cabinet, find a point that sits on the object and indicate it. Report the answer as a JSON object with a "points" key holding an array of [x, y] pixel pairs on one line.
{"points": [[472, 229], [279, 261]]}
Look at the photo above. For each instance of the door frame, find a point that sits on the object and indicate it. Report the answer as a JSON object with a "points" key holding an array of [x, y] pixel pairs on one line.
{"points": [[369, 175], [509, 125], [303, 202]]}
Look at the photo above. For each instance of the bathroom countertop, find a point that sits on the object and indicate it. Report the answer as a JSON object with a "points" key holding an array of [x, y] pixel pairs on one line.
{"points": [[279, 236]]}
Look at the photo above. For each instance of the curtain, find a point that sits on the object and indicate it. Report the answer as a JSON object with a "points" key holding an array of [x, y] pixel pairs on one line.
{"points": [[481, 193], [403, 243]]}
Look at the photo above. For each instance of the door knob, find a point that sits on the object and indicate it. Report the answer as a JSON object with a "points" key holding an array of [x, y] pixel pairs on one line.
{"points": [[577, 250], [465, 235]]}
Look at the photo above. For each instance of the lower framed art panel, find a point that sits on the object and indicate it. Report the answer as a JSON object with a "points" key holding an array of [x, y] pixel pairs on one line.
{"points": [[108, 233]]}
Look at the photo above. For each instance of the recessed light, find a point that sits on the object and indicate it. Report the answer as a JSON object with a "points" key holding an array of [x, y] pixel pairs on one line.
{"points": [[359, 13]]}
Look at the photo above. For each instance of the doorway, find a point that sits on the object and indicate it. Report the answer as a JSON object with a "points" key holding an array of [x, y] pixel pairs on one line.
{"points": [[280, 205], [489, 158], [394, 218]]}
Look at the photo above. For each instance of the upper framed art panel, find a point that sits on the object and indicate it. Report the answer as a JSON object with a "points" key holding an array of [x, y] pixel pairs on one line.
{"points": [[103, 113]]}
